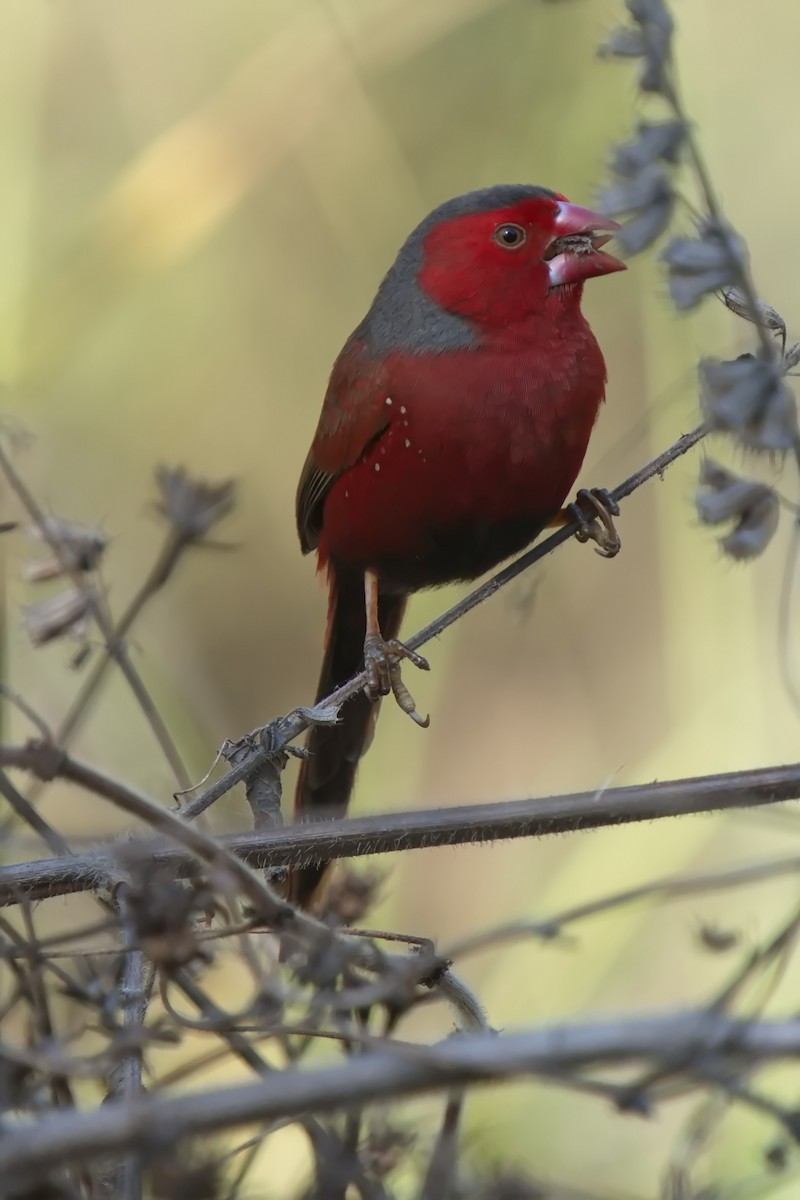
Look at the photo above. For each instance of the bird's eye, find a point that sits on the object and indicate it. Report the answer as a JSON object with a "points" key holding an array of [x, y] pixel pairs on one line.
{"points": [[510, 237]]}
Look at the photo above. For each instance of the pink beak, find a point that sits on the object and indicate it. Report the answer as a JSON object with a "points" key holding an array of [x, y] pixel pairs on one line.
{"points": [[585, 259]]}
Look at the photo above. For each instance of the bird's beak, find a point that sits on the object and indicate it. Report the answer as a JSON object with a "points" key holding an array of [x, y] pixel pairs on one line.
{"points": [[576, 251]]}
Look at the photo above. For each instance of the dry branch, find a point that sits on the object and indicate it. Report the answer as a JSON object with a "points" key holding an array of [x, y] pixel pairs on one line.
{"points": [[391, 832], [702, 1042]]}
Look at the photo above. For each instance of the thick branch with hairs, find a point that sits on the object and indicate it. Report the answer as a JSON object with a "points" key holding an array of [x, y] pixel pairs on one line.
{"points": [[384, 833]]}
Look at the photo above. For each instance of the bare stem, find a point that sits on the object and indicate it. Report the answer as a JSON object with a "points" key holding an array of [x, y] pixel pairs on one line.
{"points": [[114, 647], [162, 569]]}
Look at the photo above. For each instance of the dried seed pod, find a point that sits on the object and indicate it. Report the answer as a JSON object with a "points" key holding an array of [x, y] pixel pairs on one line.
{"points": [[748, 397], [160, 911], [654, 141], [649, 196], [708, 263], [59, 615], [649, 40], [753, 506]]}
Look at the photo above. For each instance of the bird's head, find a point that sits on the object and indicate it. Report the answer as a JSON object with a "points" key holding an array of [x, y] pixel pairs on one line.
{"points": [[489, 259], [496, 255]]}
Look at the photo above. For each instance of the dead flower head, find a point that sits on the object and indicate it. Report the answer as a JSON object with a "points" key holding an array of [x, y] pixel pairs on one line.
{"points": [[648, 39], [709, 262], [81, 548], [751, 506], [159, 910], [747, 396], [385, 1148], [349, 896], [647, 198], [192, 506], [179, 1176]]}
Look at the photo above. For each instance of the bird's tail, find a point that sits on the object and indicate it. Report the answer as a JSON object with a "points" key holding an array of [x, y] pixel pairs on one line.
{"points": [[328, 773]]}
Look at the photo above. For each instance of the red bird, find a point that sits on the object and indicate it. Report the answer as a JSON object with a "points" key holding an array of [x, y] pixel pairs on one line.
{"points": [[455, 422]]}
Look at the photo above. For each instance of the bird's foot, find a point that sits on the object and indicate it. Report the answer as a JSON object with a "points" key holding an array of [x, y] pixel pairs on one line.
{"points": [[382, 663], [594, 510]]}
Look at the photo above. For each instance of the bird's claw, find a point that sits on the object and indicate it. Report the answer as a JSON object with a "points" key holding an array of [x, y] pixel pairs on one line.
{"points": [[594, 510], [382, 665]]}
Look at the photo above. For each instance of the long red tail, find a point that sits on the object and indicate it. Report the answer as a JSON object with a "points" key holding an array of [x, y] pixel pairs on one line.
{"points": [[328, 774]]}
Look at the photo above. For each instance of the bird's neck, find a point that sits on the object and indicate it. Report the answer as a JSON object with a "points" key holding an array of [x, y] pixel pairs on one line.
{"points": [[559, 320]]}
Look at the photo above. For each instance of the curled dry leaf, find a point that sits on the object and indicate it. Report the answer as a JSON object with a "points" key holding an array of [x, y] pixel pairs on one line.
{"points": [[263, 786], [753, 506], [764, 314]]}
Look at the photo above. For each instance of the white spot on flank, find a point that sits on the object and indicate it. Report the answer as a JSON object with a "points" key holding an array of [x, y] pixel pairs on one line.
{"points": [[402, 408], [347, 495], [389, 400], [408, 443], [377, 466]]}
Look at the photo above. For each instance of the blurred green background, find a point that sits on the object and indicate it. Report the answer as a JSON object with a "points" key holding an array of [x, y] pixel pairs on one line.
{"points": [[198, 200]]}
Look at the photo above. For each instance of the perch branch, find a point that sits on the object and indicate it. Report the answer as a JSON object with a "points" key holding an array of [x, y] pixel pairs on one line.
{"points": [[278, 735]]}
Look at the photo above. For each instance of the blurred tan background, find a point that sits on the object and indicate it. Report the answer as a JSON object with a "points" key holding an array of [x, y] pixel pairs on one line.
{"points": [[198, 200]]}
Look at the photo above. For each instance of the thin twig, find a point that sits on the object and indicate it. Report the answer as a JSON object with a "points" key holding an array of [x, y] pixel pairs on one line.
{"points": [[440, 1178], [166, 561], [670, 887], [200, 845], [115, 648], [126, 1079], [27, 813]]}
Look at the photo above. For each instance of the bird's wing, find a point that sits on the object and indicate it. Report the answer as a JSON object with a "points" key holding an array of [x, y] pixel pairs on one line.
{"points": [[354, 414]]}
